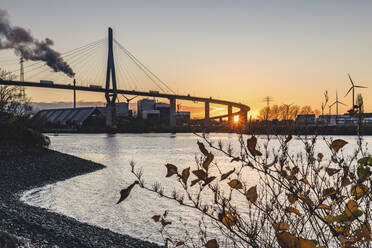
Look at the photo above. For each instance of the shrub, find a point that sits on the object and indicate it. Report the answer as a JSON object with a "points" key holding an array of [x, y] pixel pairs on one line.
{"points": [[11, 131], [304, 199]]}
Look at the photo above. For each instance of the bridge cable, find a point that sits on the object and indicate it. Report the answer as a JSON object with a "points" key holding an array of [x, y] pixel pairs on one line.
{"points": [[85, 59], [131, 75], [122, 71], [139, 66], [142, 66]]}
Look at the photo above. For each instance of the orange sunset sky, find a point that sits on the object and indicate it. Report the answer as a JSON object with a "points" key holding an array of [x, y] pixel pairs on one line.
{"points": [[242, 51]]}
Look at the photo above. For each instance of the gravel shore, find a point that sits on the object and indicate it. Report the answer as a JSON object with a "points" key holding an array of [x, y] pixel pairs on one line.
{"points": [[23, 168]]}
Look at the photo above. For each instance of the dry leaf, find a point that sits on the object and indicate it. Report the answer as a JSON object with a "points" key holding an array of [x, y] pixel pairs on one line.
{"points": [[208, 160], [306, 199], [287, 240], [193, 182], [351, 207], [359, 190], [329, 192], [281, 226], [212, 244], [227, 174], [338, 144], [304, 180], [208, 180], [291, 198], [185, 175], [200, 174], [251, 194], [320, 156], [179, 243], [324, 206], [330, 219], [292, 210], [331, 171], [345, 182], [171, 170], [202, 148], [235, 184], [164, 222], [251, 144], [156, 218], [228, 219]]}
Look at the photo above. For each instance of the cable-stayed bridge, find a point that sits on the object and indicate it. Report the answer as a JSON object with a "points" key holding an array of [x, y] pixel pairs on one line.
{"points": [[122, 73]]}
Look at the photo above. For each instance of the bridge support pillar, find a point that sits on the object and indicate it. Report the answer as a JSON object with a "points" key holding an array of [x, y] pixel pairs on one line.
{"points": [[230, 117], [172, 112], [111, 115], [243, 116], [110, 96], [206, 113]]}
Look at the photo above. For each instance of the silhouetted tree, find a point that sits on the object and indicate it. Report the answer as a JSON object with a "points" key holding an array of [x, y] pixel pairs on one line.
{"points": [[13, 100]]}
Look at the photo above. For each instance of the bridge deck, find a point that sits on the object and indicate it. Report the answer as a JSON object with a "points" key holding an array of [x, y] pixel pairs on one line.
{"points": [[127, 92]]}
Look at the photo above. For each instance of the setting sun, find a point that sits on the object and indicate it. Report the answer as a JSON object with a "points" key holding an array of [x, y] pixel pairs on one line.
{"points": [[236, 118]]}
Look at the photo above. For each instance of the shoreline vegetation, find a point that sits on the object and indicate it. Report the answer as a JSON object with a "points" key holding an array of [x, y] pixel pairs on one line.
{"points": [[25, 167]]}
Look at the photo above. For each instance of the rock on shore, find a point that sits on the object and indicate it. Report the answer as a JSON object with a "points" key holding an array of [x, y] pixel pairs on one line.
{"points": [[23, 168]]}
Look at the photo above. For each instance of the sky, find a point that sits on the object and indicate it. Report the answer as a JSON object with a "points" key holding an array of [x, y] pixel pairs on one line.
{"points": [[236, 50]]}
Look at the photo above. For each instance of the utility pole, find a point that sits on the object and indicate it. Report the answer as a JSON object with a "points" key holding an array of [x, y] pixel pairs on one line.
{"points": [[74, 93], [268, 99]]}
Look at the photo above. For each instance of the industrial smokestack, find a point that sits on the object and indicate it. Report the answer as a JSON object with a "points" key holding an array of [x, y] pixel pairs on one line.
{"points": [[25, 45]]}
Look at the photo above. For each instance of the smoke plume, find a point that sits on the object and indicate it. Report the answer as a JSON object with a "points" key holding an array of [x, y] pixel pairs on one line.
{"points": [[25, 45]]}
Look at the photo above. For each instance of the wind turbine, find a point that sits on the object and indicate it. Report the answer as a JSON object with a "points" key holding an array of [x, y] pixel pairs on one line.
{"points": [[352, 88], [337, 102], [128, 99]]}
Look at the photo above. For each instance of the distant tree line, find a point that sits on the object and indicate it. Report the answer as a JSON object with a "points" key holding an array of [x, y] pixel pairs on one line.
{"points": [[285, 112]]}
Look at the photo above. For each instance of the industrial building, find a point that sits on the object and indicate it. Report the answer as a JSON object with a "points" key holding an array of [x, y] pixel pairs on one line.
{"points": [[122, 109], [149, 109], [69, 116], [333, 120], [182, 117], [151, 114], [164, 109], [79, 116], [144, 104], [307, 119]]}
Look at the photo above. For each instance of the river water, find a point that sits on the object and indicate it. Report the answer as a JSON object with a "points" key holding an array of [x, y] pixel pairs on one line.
{"points": [[92, 198]]}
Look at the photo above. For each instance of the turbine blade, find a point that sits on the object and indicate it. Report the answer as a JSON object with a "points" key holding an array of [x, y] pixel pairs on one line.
{"points": [[350, 79], [349, 90], [342, 103], [357, 86], [333, 104]]}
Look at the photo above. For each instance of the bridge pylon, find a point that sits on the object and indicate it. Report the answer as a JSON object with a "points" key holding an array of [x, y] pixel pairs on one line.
{"points": [[110, 94]]}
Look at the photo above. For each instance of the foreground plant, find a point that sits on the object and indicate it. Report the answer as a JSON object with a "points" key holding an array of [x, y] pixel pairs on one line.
{"points": [[306, 199]]}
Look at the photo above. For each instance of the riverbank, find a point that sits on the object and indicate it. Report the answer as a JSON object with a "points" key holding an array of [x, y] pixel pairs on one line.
{"points": [[260, 128], [24, 168]]}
